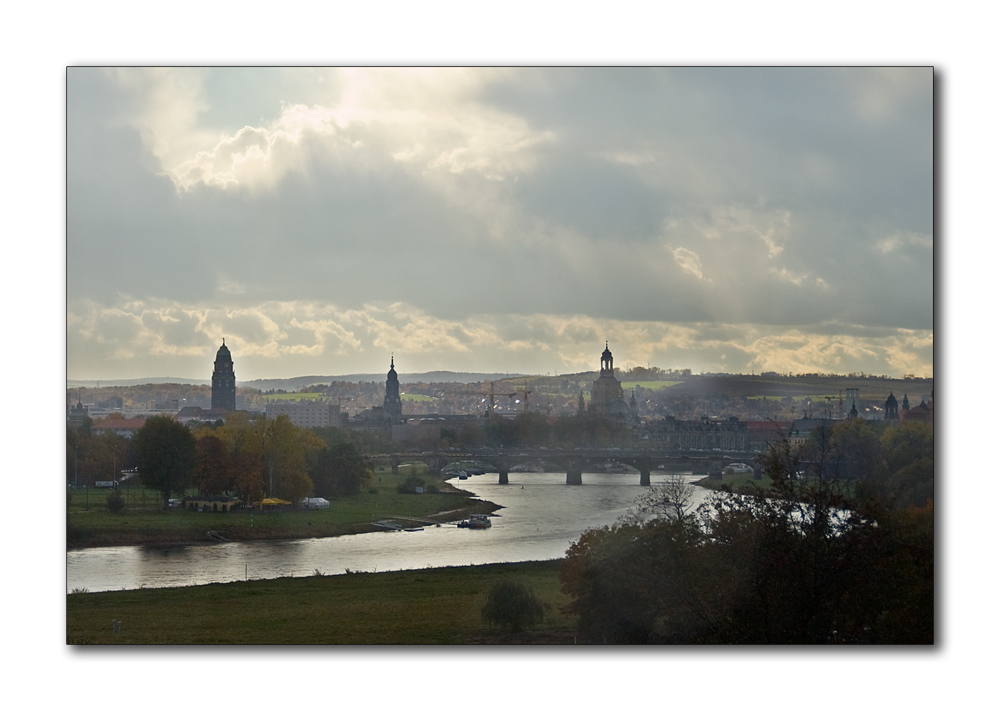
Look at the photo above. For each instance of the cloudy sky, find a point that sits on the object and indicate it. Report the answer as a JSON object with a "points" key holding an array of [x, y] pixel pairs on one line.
{"points": [[493, 219]]}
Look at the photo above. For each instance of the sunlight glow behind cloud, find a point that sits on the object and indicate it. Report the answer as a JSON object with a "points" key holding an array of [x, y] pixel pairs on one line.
{"points": [[499, 219]]}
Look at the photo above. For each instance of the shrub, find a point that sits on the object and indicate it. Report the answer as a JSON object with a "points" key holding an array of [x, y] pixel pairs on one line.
{"points": [[115, 501], [512, 606], [409, 485]]}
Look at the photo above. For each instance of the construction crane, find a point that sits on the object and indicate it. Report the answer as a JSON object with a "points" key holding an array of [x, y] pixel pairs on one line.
{"points": [[493, 395], [526, 393]]}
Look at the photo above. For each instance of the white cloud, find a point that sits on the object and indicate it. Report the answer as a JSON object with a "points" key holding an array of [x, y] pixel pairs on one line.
{"points": [[688, 261], [164, 105], [899, 240], [283, 339], [429, 120]]}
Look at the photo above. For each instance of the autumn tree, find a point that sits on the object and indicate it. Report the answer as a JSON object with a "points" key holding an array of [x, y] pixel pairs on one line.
{"points": [[340, 471], [213, 472], [270, 457], [245, 444], [166, 456], [288, 450]]}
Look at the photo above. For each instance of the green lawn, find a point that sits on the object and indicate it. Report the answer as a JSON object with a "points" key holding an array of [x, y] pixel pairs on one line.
{"points": [[650, 384], [144, 521], [413, 397], [432, 606], [297, 396]]}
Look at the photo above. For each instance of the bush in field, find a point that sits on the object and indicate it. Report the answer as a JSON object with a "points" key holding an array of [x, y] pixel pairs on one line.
{"points": [[512, 606], [409, 485], [115, 501]]}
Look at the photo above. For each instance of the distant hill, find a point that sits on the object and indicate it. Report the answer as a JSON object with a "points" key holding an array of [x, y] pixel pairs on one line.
{"points": [[293, 384], [71, 384], [434, 376]]}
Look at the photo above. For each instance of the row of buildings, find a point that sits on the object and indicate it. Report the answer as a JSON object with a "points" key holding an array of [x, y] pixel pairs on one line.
{"points": [[607, 400]]}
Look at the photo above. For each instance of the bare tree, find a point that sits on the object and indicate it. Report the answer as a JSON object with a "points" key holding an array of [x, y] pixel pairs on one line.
{"points": [[671, 499]]}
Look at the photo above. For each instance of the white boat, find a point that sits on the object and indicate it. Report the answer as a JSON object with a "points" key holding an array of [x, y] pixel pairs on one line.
{"points": [[476, 521]]}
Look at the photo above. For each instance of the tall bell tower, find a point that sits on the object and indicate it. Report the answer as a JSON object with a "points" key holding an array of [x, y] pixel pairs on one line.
{"points": [[392, 405], [224, 380]]}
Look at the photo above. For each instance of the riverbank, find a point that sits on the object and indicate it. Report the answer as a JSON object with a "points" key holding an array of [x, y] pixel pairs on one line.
{"points": [[735, 483], [94, 526], [430, 606]]}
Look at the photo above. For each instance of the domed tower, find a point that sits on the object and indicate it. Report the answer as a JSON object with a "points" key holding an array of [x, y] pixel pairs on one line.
{"points": [[891, 408], [607, 362], [607, 390], [223, 380], [392, 405]]}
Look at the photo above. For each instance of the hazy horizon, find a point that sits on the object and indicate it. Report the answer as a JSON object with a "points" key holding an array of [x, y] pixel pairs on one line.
{"points": [[499, 219]]}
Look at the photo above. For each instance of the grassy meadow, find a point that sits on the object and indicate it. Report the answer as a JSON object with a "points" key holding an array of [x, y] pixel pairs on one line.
{"points": [[89, 523], [650, 384], [296, 396], [431, 606]]}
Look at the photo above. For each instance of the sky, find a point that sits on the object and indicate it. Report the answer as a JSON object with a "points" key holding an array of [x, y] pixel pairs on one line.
{"points": [[491, 219]]}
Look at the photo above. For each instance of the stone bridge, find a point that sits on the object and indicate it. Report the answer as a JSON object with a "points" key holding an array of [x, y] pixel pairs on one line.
{"points": [[576, 461]]}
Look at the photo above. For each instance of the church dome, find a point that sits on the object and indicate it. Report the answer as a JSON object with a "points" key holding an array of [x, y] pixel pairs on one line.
{"points": [[619, 408], [891, 400], [606, 355], [391, 375]]}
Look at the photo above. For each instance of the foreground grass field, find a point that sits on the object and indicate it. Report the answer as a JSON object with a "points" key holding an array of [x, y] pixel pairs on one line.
{"points": [[433, 606]]}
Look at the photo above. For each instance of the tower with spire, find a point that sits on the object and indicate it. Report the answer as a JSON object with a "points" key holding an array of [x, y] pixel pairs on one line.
{"points": [[606, 396], [891, 408], [224, 380], [392, 405]]}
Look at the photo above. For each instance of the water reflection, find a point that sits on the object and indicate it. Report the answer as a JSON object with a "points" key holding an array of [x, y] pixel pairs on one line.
{"points": [[541, 517]]}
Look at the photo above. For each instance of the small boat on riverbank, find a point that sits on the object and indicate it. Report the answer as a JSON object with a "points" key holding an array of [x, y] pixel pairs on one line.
{"points": [[217, 536], [476, 521]]}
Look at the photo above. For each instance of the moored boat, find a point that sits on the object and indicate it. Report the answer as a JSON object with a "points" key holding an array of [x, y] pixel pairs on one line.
{"points": [[476, 521]]}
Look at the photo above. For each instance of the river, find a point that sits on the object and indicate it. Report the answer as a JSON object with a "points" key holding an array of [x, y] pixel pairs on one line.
{"points": [[540, 518]]}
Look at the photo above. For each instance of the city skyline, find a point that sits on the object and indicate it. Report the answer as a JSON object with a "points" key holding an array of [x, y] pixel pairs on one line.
{"points": [[492, 220]]}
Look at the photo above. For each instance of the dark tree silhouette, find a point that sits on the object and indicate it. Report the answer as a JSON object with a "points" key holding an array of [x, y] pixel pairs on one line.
{"points": [[512, 606], [167, 455]]}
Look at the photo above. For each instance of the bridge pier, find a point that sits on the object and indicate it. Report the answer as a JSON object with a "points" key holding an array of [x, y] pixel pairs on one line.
{"points": [[574, 473], [503, 476], [395, 465], [644, 465]]}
